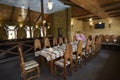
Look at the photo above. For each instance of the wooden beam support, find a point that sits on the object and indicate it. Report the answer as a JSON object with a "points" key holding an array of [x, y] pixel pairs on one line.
{"points": [[42, 13], [12, 13], [92, 6], [29, 15], [37, 18]]}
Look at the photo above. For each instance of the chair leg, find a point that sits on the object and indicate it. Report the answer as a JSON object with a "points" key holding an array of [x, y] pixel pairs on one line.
{"points": [[76, 65], [38, 72], [64, 74], [80, 63], [24, 76]]}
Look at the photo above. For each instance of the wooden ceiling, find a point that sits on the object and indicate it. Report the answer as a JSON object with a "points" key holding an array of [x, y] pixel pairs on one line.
{"points": [[96, 9]]}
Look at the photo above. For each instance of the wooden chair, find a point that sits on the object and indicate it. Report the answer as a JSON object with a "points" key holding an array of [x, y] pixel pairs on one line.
{"points": [[65, 40], [77, 58], [37, 44], [46, 43], [92, 48], [55, 43], [99, 43], [29, 67], [65, 64], [86, 52], [96, 44], [60, 40]]}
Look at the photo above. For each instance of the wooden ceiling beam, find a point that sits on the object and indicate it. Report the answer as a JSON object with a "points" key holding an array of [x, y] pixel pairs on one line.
{"points": [[111, 4], [84, 16], [117, 15], [92, 6], [12, 13], [87, 19], [113, 9], [114, 13]]}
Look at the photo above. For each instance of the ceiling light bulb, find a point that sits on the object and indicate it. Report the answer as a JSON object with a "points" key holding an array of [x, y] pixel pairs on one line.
{"points": [[90, 19], [50, 4]]}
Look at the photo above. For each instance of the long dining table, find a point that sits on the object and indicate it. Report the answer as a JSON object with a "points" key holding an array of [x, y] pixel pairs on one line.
{"points": [[55, 52]]}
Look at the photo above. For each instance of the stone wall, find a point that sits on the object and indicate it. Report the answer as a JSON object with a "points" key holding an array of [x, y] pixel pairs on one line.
{"points": [[76, 25], [60, 20], [114, 28]]}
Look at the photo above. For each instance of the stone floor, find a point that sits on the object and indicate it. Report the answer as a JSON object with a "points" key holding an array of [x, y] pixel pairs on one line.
{"points": [[105, 66]]}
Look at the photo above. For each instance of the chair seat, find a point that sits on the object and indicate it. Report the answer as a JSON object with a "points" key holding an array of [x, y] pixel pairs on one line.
{"points": [[60, 63], [31, 64], [83, 53], [74, 57]]}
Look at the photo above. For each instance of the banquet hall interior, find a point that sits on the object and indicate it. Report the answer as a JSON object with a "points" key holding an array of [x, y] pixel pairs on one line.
{"points": [[59, 39]]}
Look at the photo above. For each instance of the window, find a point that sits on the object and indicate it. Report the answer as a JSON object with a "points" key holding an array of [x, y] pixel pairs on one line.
{"points": [[41, 31], [27, 31], [12, 32]]}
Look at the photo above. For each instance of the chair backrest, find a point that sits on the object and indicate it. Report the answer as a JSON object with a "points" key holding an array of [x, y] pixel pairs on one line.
{"points": [[65, 40], [87, 45], [79, 47], [20, 52], [37, 44], [107, 38], [93, 43], [60, 40], [55, 43], [46, 42], [68, 52]]}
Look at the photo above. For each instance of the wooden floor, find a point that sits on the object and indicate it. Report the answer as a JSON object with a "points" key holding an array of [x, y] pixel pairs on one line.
{"points": [[105, 66]]}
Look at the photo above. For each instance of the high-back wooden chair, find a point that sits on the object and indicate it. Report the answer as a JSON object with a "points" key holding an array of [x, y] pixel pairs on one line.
{"points": [[66, 63], [93, 47], [60, 40], [65, 40], [37, 44], [29, 67], [99, 42], [78, 56], [55, 42], [46, 43], [96, 44], [86, 52]]}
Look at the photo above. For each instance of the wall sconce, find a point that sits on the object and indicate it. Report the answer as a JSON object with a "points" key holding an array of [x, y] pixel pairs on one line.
{"points": [[91, 24], [50, 4], [21, 25], [36, 26], [71, 23], [109, 25], [44, 21]]}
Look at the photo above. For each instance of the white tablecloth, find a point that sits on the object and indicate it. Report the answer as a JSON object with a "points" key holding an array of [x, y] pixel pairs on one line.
{"points": [[56, 52]]}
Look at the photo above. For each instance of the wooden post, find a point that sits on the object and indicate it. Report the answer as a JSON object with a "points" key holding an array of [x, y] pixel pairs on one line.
{"points": [[67, 25], [42, 12]]}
